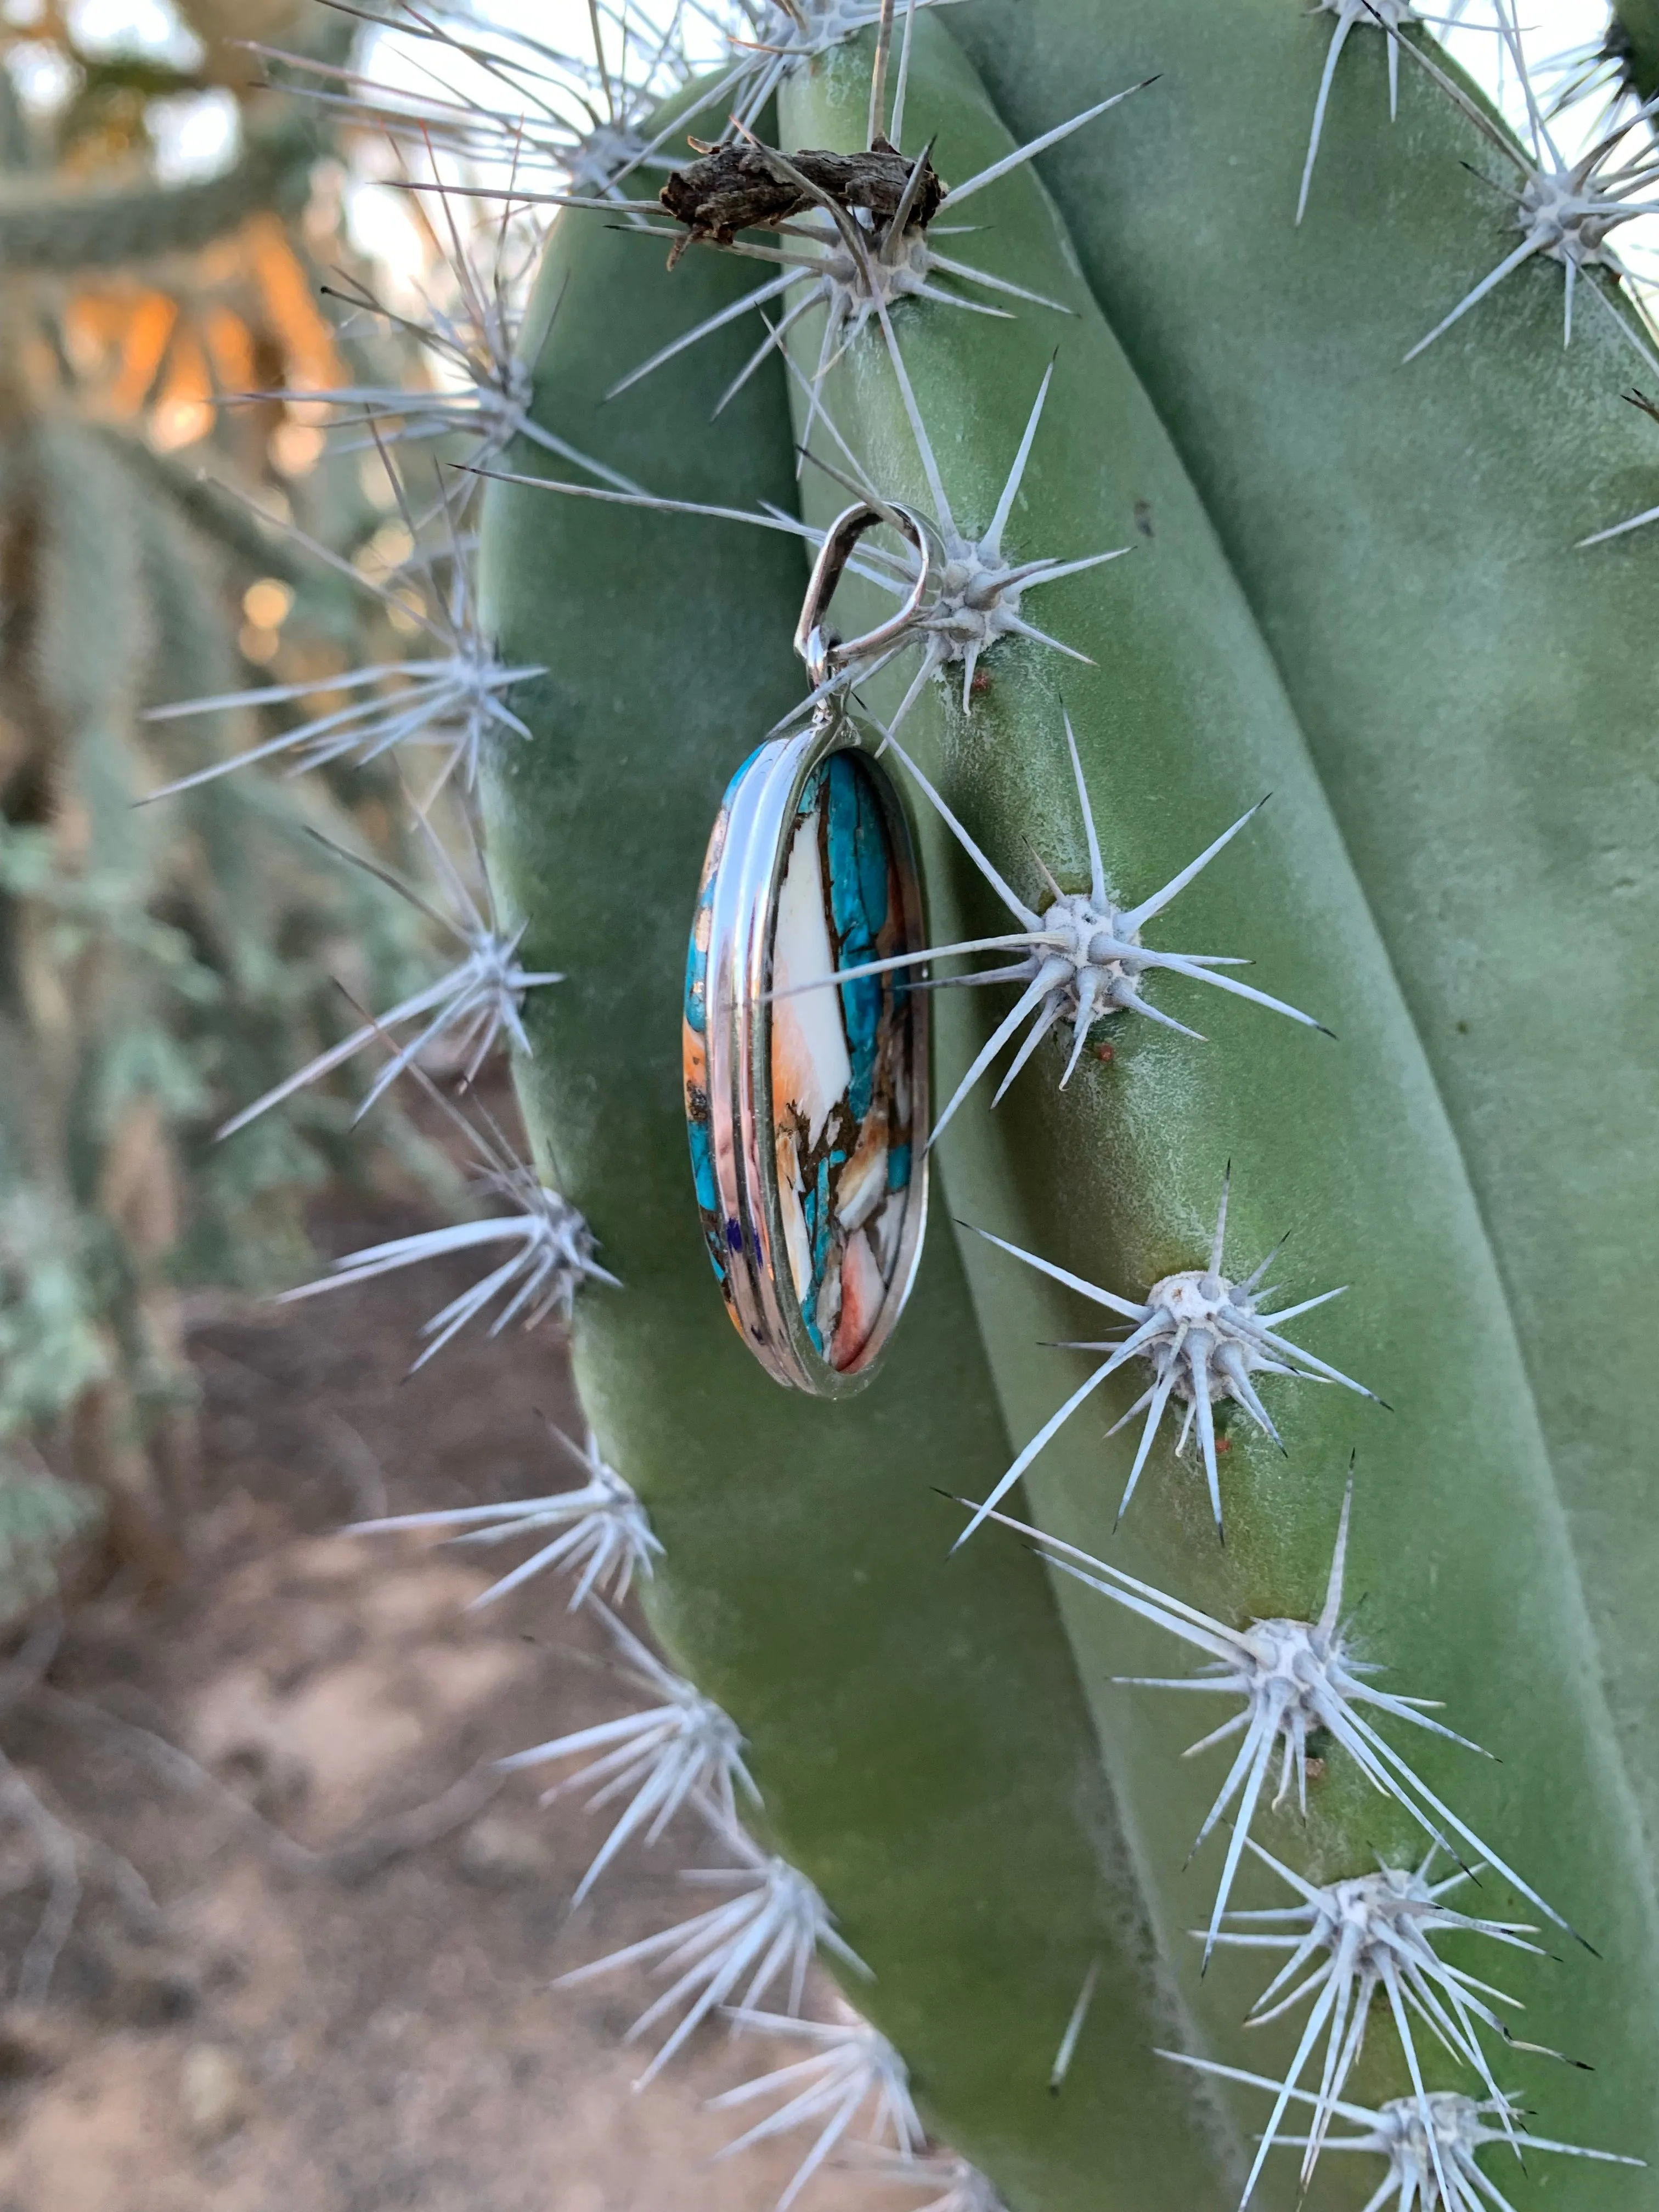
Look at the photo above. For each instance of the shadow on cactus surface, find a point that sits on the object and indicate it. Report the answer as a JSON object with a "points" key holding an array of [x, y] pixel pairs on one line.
{"points": [[1363, 711]]}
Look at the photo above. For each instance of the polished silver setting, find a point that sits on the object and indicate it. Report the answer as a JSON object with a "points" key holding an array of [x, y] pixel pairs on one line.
{"points": [[738, 1126]]}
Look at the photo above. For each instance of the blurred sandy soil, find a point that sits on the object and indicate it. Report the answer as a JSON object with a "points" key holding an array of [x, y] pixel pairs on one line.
{"points": [[366, 2024]]}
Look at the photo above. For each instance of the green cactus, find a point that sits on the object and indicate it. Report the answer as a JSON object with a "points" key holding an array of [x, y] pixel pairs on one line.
{"points": [[43, 230], [1354, 585], [1285, 330], [52, 227], [1632, 45]]}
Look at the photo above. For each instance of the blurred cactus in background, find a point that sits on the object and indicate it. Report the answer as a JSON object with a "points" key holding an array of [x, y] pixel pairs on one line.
{"points": [[165, 222]]}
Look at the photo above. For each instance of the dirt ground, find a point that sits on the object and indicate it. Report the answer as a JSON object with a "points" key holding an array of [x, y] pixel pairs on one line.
{"points": [[341, 2000]]}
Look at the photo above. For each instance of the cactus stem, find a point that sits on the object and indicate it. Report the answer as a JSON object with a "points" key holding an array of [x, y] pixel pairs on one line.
{"points": [[476, 999], [604, 1531], [1565, 211], [1294, 1676], [852, 2065], [683, 1751], [1204, 1337], [1432, 2166], [1375, 1929], [773, 1930]]}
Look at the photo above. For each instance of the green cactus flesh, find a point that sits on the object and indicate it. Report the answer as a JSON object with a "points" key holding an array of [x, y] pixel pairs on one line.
{"points": [[1352, 585], [1632, 42]]}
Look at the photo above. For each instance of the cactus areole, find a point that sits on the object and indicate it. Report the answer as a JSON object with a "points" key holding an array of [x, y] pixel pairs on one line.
{"points": [[991, 872]]}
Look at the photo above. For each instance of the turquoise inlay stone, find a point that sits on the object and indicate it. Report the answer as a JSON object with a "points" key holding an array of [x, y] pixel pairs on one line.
{"points": [[856, 847], [702, 1169]]}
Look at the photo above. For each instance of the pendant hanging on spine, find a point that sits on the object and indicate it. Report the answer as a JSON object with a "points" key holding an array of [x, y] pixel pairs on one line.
{"points": [[807, 1099]]}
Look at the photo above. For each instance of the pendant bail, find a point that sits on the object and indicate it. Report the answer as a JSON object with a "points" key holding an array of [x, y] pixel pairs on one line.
{"points": [[825, 654]]}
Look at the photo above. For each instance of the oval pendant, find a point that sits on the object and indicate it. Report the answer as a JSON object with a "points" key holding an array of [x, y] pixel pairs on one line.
{"points": [[806, 1097]]}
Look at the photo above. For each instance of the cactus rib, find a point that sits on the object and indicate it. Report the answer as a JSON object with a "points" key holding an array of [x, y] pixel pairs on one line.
{"points": [[1407, 558], [866, 1648]]}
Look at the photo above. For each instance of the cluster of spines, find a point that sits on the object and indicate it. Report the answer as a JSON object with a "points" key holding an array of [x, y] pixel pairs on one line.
{"points": [[1076, 959], [744, 1959]]}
